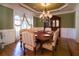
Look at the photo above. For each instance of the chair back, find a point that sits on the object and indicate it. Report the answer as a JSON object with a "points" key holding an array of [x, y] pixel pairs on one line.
{"points": [[47, 29], [55, 37], [29, 39], [24, 36]]}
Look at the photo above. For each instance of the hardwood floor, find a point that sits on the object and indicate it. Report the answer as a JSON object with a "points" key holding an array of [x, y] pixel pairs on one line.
{"points": [[73, 46], [65, 47]]}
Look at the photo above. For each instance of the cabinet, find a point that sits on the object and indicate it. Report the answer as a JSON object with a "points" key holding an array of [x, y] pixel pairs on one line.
{"points": [[55, 22]]}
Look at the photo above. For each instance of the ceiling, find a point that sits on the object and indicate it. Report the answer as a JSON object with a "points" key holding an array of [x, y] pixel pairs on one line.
{"points": [[38, 7]]}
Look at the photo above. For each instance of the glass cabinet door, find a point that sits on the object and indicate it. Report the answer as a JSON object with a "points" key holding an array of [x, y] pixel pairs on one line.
{"points": [[57, 23], [53, 23]]}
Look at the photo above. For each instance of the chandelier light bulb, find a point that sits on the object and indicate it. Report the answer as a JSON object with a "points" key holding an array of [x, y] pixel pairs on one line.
{"points": [[45, 4], [45, 14]]}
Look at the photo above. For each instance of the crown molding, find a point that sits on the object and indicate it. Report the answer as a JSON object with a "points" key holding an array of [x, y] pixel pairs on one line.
{"points": [[64, 12], [59, 8], [27, 7], [31, 9]]}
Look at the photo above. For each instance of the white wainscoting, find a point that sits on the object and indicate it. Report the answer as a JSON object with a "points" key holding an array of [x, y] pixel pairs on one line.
{"points": [[68, 33], [8, 36]]}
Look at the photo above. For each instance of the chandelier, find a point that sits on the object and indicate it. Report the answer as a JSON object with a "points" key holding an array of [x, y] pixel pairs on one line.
{"points": [[45, 14]]}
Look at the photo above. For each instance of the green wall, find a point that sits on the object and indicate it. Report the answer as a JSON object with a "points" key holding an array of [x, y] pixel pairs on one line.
{"points": [[6, 18], [67, 20], [37, 22]]}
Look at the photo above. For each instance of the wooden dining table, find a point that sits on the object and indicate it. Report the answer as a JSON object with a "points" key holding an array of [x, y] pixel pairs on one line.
{"points": [[42, 37]]}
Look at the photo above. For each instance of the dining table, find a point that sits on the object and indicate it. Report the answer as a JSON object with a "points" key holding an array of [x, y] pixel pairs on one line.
{"points": [[43, 37]]}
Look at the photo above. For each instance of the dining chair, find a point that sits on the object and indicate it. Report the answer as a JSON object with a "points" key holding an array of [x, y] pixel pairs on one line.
{"points": [[47, 29], [51, 45], [29, 41]]}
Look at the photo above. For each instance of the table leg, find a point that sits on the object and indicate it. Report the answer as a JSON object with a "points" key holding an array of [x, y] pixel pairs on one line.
{"points": [[41, 47]]}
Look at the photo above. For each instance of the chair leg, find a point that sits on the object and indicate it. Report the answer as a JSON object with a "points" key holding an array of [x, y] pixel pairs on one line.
{"points": [[21, 44], [34, 50], [57, 41], [24, 49], [53, 50]]}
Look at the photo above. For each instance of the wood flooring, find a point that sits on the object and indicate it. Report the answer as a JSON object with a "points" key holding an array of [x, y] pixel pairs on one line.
{"points": [[65, 47]]}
